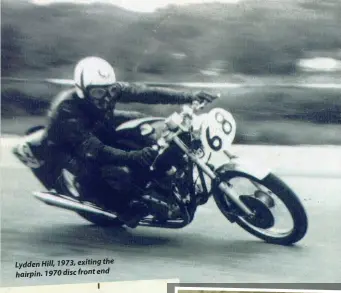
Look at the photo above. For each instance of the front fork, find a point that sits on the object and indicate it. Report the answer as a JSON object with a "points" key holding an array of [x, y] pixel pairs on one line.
{"points": [[223, 186]]}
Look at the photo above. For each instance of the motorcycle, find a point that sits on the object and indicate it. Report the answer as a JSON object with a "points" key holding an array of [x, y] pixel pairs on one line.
{"points": [[194, 163]]}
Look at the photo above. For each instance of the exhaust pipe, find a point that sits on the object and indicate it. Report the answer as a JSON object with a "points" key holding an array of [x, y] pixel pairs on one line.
{"points": [[57, 201]]}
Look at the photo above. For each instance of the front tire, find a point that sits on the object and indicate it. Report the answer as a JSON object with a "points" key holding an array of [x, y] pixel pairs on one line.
{"points": [[285, 194]]}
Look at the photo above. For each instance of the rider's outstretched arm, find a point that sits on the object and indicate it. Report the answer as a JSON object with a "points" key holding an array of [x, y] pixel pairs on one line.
{"points": [[136, 93], [122, 116]]}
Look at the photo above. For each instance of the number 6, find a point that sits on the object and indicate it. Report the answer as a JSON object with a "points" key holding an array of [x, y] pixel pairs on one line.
{"points": [[214, 142]]}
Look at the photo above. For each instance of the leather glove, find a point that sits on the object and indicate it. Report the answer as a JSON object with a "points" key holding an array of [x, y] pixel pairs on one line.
{"points": [[203, 96], [144, 157]]}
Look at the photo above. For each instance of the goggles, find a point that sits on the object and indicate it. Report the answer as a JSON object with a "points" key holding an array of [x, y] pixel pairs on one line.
{"points": [[101, 92]]}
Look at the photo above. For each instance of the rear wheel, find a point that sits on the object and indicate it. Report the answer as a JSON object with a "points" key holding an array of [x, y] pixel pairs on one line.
{"points": [[265, 199], [67, 186]]}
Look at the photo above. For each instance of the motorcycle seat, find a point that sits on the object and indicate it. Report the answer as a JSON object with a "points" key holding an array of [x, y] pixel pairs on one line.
{"points": [[28, 147]]}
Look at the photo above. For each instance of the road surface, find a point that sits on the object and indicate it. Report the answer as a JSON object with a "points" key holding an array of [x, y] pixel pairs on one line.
{"points": [[209, 250]]}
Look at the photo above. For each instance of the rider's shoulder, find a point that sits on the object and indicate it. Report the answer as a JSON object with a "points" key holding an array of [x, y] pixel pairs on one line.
{"points": [[65, 99], [65, 95]]}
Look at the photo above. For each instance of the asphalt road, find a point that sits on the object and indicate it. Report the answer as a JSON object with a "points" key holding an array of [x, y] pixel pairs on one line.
{"points": [[209, 250]]}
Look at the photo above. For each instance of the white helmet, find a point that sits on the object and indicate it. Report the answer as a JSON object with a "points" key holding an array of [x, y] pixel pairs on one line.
{"points": [[92, 72]]}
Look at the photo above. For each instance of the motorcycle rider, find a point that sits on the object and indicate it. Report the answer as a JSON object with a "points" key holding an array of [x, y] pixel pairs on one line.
{"points": [[82, 122]]}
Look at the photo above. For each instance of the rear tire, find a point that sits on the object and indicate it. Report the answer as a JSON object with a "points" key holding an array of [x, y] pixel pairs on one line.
{"points": [[285, 194]]}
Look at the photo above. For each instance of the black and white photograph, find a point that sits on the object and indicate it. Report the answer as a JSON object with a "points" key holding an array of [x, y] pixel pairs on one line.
{"points": [[193, 140]]}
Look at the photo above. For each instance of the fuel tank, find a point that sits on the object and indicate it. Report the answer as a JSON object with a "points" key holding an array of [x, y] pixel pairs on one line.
{"points": [[138, 133]]}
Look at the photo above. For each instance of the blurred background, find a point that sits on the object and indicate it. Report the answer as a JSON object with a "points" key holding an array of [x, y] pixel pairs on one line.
{"points": [[259, 42]]}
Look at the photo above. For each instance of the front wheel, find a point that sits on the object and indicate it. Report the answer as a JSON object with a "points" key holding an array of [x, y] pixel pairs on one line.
{"points": [[260, 196]]}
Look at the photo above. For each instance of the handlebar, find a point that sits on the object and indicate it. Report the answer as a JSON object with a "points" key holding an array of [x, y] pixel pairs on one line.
{"points": [[196, 106], [175, 121]]}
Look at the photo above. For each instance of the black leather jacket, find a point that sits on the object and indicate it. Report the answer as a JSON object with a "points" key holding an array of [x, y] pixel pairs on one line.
{"points": [[79, 129]]}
